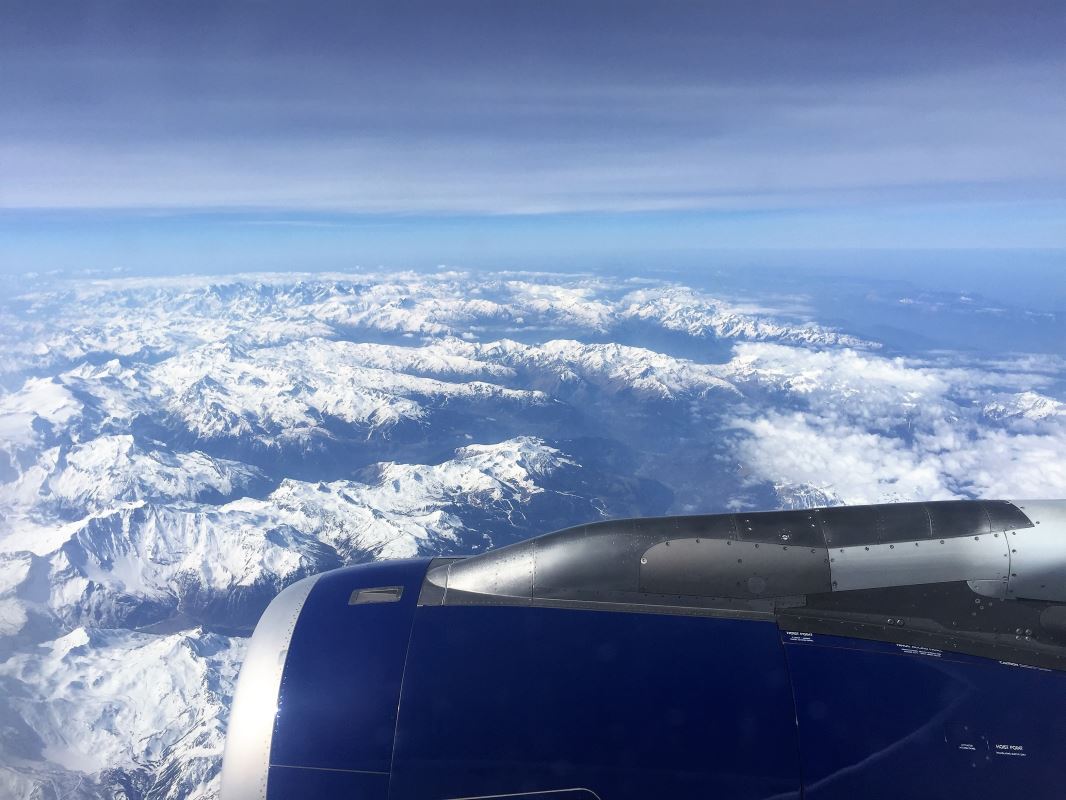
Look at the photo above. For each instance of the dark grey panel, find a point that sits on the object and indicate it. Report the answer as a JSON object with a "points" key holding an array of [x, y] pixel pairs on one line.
{"points": [[1004, 516], [848, 526], [688, 606], [794, 528], [709, 526], [901, 522], [945, 616], [957, 518]]}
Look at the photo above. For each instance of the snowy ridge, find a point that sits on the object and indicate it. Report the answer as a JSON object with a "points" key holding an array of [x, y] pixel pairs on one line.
{"points": [[102, 472], [178, 314], [1031, 406], [698, 315]]}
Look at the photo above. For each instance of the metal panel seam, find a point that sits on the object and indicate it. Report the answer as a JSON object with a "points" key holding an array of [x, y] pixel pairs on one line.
{"points": [[399, 697], [795, 711]]}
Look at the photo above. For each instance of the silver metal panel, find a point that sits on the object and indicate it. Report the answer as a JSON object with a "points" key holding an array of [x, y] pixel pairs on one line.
{"points": [[989, 588], [255, 703], [725, 568], [593, 560], [1038, 554], [969, 558], [508, 572]]}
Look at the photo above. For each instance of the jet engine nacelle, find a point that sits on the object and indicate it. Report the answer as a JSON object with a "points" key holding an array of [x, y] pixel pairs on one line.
{"points": [[912, 650]]}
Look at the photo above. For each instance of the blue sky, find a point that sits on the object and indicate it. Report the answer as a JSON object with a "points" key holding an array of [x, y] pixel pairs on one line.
{"points": [[207, 135]]}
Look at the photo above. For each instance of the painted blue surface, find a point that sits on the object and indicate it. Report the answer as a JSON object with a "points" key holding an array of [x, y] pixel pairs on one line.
{"points": [[394, 702], [501, 700], [880, 720], [341, 684]]}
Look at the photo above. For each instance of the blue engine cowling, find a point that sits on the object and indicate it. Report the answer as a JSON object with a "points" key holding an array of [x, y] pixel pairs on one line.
{"points": [[551, 670]]}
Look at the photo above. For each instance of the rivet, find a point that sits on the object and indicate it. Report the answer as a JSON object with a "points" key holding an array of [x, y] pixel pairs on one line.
{"points": [[867, 548], [643, 560]]}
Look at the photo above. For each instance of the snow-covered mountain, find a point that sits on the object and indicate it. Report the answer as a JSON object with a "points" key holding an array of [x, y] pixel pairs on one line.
{"points": [[175, 451]]}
